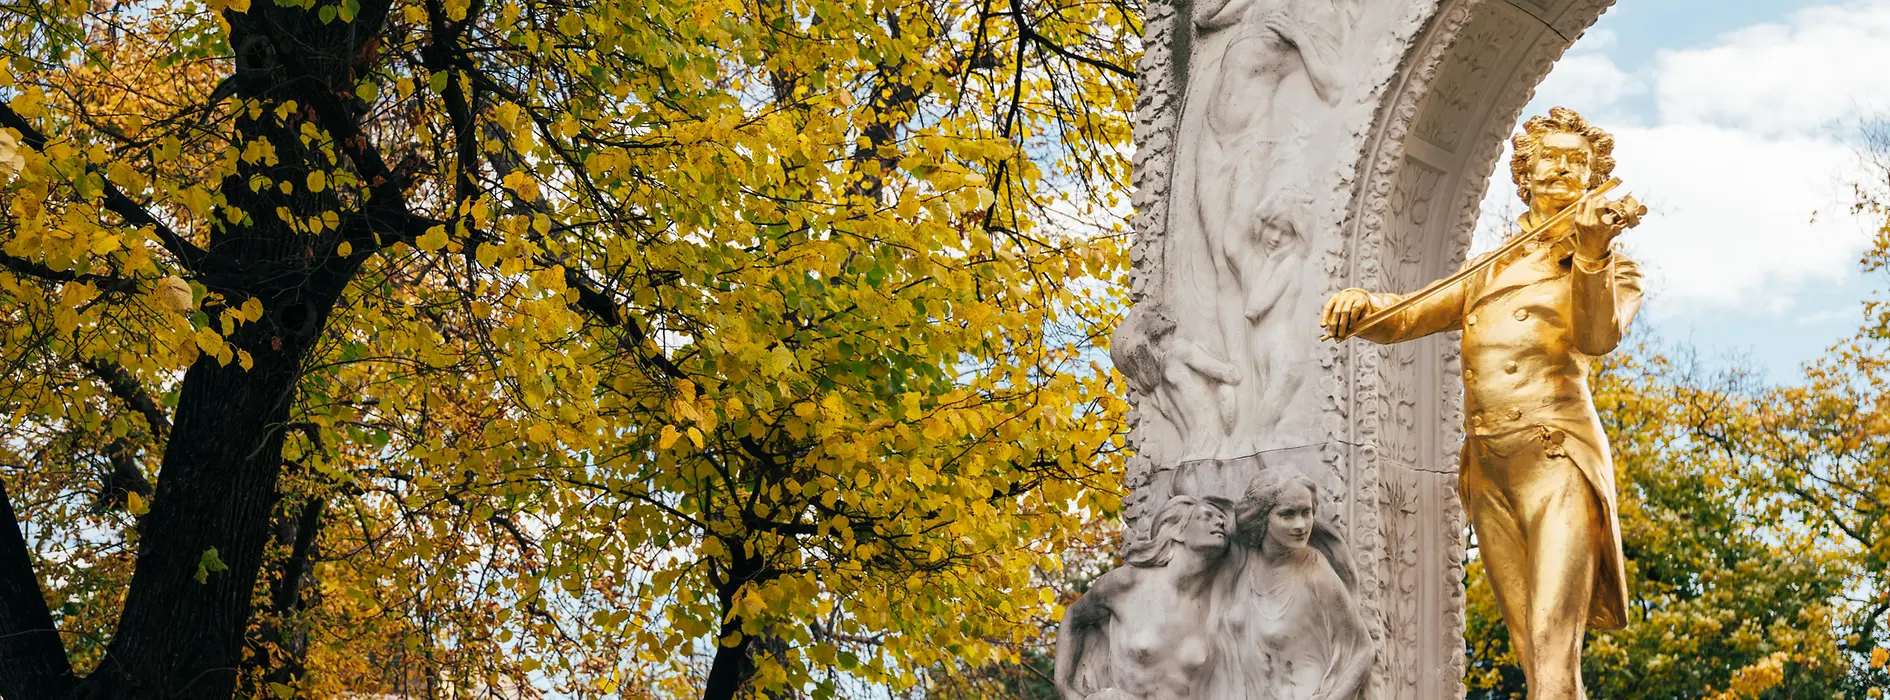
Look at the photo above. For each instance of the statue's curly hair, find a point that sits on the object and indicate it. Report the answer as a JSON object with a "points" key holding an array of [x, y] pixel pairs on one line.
{"points": [[1560, 119]]}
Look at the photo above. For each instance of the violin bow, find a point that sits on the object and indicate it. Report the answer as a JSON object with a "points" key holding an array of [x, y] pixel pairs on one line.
{"points": [[1376, 317]]}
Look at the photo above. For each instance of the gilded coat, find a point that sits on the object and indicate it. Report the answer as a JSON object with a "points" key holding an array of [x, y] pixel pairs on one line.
{"points": [[1531, 326]]}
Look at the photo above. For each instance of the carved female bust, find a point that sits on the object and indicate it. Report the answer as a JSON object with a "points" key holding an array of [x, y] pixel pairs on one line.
{"points": [[1291, 627], [1143, 631]]}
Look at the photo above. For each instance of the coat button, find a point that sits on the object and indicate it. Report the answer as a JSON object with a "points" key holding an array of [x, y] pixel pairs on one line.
{"points": [[1476, 420], [1510, 367], [1522, 314], [1515, 414], [1469, 374], [1470, 320]]}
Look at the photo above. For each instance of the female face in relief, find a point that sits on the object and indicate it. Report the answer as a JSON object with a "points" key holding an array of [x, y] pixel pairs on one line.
{"points": [[1206, 529], [1290, 523]]}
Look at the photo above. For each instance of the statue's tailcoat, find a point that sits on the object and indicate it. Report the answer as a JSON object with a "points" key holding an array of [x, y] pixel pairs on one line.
{"points": [[1531, 325]]}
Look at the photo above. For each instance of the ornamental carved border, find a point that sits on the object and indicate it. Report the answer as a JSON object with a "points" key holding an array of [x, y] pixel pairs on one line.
{"points": [[1478, 69]]}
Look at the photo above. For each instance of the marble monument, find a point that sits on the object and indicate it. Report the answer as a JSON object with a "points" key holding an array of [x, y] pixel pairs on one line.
{"points": [[1288, 150]]}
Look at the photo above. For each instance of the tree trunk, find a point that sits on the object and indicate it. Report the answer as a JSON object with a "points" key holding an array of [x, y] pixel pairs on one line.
{"points": [[734, 665], [32, 657], [181, 633]]}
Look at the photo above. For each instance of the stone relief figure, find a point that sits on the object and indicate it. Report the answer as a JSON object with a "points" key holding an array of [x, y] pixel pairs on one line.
{"points": [[1142, 632], [1279, 251], [1251, 49], [1267, 615], [1262, 71], [1289, 623], [1175, 374]]}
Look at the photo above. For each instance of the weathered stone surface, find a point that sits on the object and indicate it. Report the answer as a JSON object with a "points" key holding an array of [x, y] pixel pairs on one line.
{"points": [[1268, 612]]}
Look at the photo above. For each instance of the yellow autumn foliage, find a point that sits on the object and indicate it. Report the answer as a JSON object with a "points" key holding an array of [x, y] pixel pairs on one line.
{"points": [[671, 348]]}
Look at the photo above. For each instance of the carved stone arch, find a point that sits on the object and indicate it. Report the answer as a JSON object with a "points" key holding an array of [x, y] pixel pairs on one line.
{"points": [[1435, 86], [1432, 148]]}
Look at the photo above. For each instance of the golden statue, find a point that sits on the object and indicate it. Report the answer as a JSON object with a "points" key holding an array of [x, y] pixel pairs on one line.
{"points": [[1536, 476]]}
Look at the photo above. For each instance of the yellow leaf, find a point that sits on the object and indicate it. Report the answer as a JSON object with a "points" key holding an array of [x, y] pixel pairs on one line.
{"points": [[667, 437], [695, 436], [208, 340], [523, 184], [780, 359], [433, 239], [12, 159], [135, 503], [317, 181], [174, 293], [345, 249], [105, 244], [125, 175]]}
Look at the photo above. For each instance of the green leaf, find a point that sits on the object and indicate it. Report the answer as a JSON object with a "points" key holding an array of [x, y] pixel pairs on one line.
{"points": [[208, 564]]}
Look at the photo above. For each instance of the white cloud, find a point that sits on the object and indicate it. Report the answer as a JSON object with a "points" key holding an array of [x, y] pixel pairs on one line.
{"points": [[1737, 219], [1591, 84], [1744, 179], [1598, 39], [1818, 67]]}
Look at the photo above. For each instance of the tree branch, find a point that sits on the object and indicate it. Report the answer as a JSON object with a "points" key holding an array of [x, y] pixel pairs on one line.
{"points": [[439, 56], [592, 299], [1044, 41], [105, 283], [187, 253], [129, 390]]}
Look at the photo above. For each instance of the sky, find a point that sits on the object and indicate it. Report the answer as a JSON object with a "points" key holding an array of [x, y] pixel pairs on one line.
{"points": [[1734, 124]]}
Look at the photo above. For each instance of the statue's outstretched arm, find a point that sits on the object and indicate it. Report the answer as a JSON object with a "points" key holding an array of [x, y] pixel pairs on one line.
{"points": [[1437, 313], [1204, 362]]}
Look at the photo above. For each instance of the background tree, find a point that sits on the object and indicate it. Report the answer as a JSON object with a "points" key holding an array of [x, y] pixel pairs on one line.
{"points": [[426, 346]]}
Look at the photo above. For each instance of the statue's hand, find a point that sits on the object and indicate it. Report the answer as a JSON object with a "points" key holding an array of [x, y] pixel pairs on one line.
{"points": [[1344, 310], [1598, 222], [1626, 211]]}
